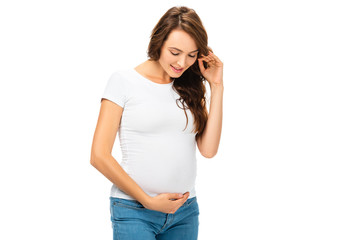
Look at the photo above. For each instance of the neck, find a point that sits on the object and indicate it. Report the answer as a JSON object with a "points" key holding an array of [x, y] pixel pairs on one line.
{"points": [[156, 71]]}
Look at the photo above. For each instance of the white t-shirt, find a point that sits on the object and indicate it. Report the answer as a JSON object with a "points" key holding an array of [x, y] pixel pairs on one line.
{"points": [[156, 153]]}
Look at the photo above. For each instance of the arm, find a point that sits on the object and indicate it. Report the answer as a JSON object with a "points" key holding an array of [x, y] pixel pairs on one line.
{"points": [[101, 158], [208, 143]]}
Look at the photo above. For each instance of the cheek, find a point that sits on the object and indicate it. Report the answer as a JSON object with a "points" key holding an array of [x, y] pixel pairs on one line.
{"points": [[171, 59], [168, 58], [191, 61]]}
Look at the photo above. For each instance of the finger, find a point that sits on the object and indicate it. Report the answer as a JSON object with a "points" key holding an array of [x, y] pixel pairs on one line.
{"points": [[208, 56], [216, 58], [183, 201], [186, 198], [186, 194], [203, 59], [175, 196], [201, 65], [212, 56], [179, 199], [205, 56], [207, 60]]}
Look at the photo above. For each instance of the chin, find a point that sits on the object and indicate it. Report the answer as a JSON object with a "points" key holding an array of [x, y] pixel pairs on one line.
{"points": [[176, 76]]}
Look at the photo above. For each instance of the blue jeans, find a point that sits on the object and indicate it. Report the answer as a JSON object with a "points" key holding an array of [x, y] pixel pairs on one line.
{"points": [[132, 221]]}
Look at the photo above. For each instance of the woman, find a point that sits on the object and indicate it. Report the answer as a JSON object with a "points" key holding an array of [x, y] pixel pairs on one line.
{"points": [[160, 112]]}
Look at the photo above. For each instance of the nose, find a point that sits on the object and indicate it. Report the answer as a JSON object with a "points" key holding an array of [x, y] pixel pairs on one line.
{"points": [[181, 62]]}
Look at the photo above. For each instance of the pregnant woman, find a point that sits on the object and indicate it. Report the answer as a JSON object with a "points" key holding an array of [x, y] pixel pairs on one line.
{"points": [[158, 109]]}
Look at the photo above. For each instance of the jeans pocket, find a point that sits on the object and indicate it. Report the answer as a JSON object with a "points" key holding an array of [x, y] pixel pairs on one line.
{"points": [[130, 204], [190, 201]]}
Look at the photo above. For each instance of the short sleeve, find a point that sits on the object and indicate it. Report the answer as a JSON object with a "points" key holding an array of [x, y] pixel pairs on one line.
{"points": [[116, 89]]}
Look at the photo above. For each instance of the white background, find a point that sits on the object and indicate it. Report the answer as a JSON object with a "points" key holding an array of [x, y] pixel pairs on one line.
{"points": [[288, 162]]}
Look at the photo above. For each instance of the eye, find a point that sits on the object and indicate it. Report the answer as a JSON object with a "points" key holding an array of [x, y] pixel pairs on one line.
{"points": [[175, 54], [192, 56]]}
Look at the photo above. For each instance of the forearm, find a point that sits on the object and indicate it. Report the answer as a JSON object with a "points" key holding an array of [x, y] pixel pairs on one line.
{"points": [[112, 170], [210, 138]]}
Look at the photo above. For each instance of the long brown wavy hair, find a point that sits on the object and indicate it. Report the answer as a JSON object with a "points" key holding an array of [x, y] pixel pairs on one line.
{"points": [[191, 84]]}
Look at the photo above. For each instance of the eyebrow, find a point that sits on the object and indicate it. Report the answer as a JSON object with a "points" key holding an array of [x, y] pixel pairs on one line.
{"points": [[181, 50]]}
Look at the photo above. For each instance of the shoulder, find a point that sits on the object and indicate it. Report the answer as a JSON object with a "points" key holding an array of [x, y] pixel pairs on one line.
{"points": [[121, 75], [122, 78], [118, 88]]}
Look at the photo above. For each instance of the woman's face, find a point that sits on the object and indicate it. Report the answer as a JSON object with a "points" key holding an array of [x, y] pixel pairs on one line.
{"points": [[178, 53]]}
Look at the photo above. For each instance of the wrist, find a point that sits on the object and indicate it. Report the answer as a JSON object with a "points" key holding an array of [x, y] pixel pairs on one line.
{"points": [[217, 86], [145, 200]]}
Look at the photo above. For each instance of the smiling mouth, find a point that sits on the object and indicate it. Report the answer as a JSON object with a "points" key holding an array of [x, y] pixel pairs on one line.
{"points": [[176, 69]]}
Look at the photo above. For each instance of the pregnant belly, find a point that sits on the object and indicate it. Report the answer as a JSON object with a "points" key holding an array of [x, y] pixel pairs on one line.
{"points": [[162, 164], [165, 176]]}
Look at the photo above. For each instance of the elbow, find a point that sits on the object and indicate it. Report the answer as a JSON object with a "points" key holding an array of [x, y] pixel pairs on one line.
{"points": [[94, 160], [99, 158], [209, 154], [207, 151]]}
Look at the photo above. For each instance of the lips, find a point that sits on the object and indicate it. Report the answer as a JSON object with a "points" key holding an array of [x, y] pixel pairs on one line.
{"points": [[177, 70]]}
